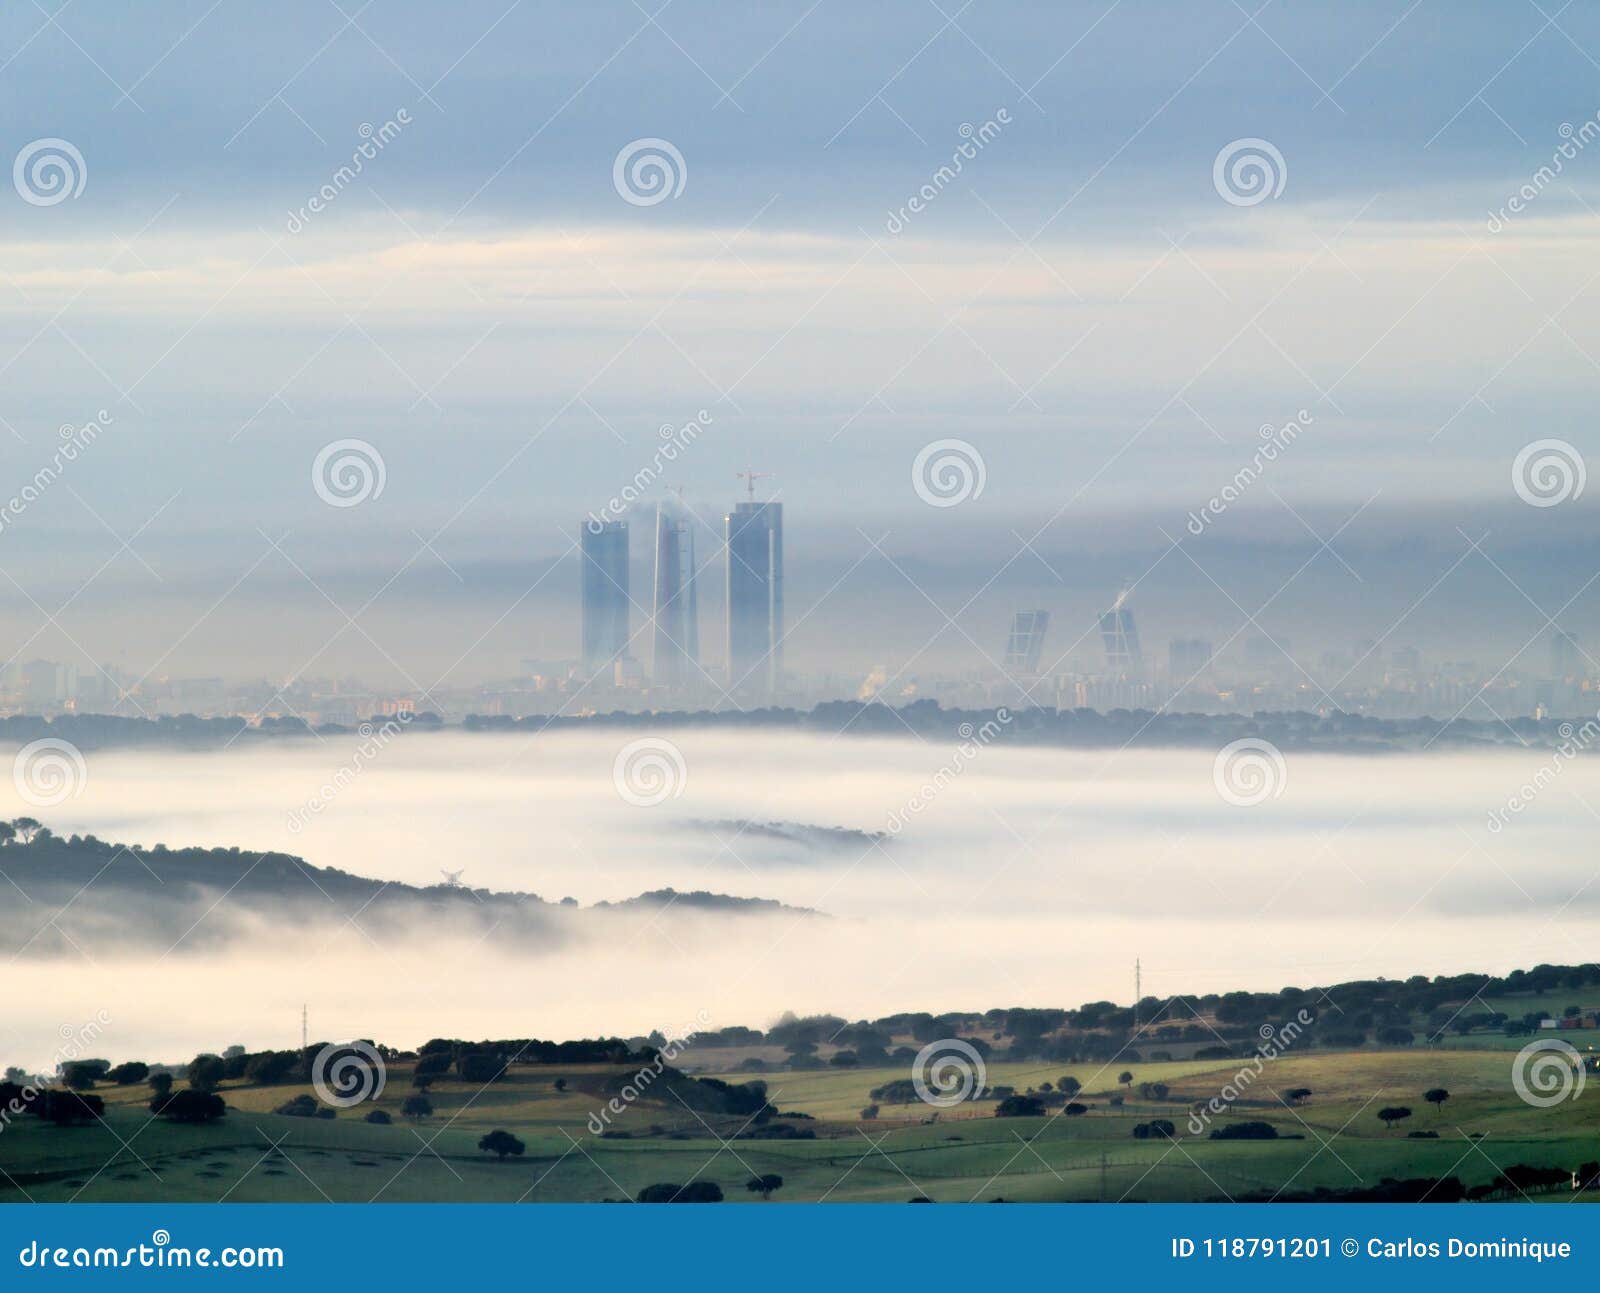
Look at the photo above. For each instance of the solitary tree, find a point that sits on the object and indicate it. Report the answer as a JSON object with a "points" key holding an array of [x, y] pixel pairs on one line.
{"points": [[561, 1084], [27, 828], [1298, 1094], [1125, 1077], [764, 1184], [417, 1106], [1069, 1086], [81, 1076], [129, 1073], [205, 1072], [501, 1143], [1436, 1096], [1393, 1114], [189, 1106]]}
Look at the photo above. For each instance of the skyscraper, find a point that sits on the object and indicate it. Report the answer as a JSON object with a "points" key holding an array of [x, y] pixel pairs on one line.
{"points": [[1187, 659], [604, 545], [754, 534], [1121, 638], [1026, 642], [1566, 656], [675, 612]]}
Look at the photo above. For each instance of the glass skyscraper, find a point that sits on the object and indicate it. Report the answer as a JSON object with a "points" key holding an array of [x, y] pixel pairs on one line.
{"points": [[754, 534], [675, 612], [604, 546], [1026, 642]]}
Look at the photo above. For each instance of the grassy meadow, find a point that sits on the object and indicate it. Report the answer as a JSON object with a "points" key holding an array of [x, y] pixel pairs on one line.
{"points": [[1333, 1139]]}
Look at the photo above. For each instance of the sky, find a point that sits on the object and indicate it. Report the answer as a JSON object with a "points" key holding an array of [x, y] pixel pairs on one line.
{"points": [[1100, 309]]}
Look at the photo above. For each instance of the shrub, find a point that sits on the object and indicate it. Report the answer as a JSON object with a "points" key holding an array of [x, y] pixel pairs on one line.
{"points": [[1246, 1131], [694, 1192], [189, 1106]]}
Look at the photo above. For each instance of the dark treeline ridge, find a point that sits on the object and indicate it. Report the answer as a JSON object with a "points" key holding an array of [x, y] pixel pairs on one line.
{"points": [[1341, 1016], [35, 855], [1519, 1181], [342, 1064], [1044, 726], [1289, 729], [100, 731]]}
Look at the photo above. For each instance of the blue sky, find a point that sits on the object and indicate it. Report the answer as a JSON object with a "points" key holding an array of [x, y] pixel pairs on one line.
{"points": [[1080, 304]]}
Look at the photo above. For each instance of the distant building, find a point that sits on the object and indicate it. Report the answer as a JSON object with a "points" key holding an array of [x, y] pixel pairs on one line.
{"points": [[675, 609], [1025, 644], [604, 546], [1566, 657], [1121, 639], [1406, 663], [754, 533], [1187, 659]]}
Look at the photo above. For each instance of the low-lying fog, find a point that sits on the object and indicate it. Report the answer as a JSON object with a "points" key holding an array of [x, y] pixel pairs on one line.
{"points": [[1031, 877]]}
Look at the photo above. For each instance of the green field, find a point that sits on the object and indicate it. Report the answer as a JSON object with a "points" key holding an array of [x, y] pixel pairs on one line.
{"points": [[961, 1154]]}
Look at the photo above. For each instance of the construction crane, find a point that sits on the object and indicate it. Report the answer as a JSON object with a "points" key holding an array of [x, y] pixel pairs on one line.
{"points": [[750, 477]]}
